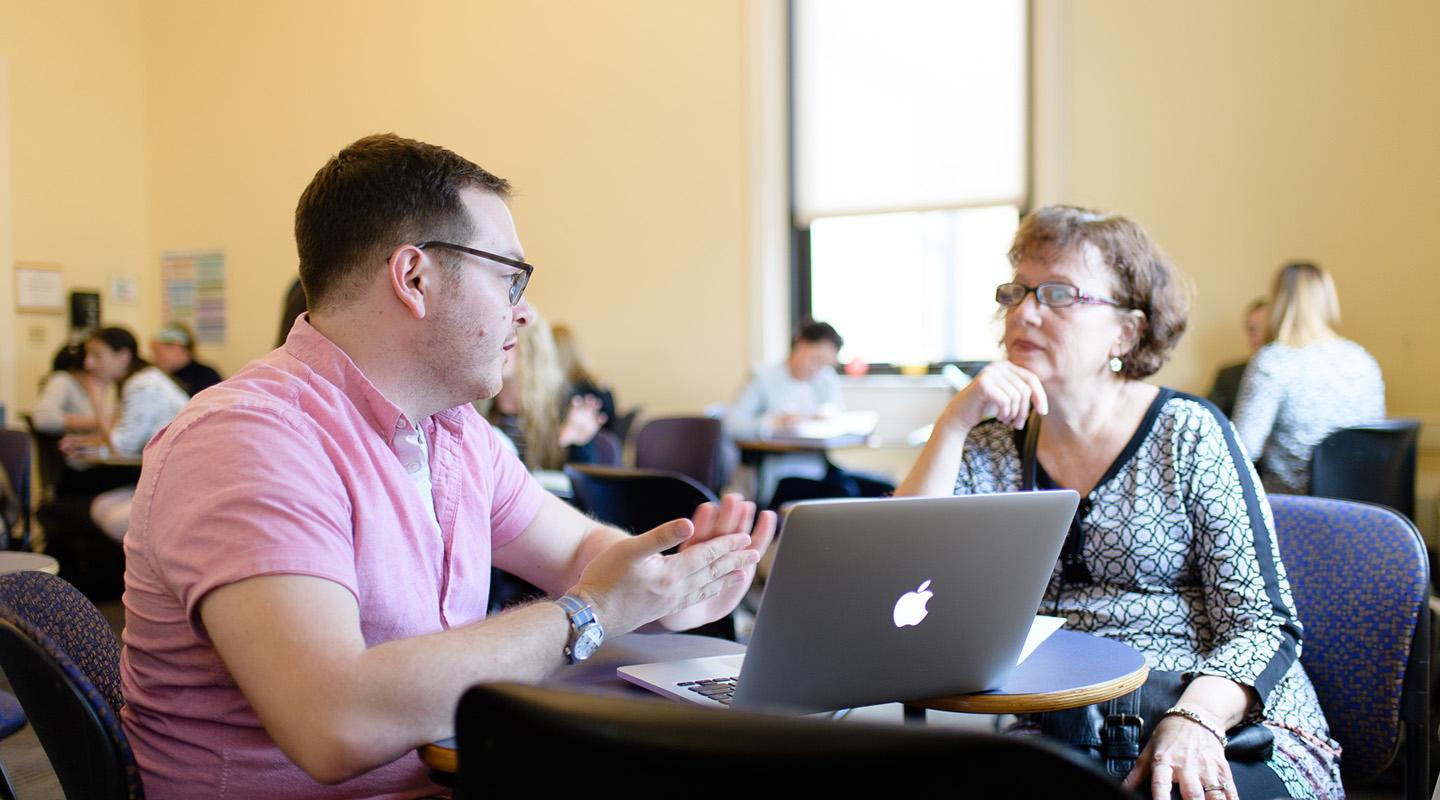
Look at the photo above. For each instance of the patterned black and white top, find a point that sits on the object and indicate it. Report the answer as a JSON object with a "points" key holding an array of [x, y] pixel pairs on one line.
{"points": [[1180, 547], [1291, 398]]}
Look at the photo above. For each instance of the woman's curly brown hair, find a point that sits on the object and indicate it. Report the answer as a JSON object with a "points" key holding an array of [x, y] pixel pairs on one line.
{"points": [[1145, 278]]}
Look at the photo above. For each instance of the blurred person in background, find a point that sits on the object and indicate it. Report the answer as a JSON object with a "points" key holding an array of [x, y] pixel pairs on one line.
{"points": [[582, 381], [549, 423], [1227, 380], [65, 404], [1305, 383], [173, 348]]}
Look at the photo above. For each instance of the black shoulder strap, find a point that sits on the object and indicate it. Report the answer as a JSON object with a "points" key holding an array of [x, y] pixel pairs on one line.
{"points": [[1027, 453]]}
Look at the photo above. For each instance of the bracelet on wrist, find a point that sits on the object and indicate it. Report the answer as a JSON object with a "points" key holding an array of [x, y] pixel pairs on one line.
{"points": [[1185, 713]]}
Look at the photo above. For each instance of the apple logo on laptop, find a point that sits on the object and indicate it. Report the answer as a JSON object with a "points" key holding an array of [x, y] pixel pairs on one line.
{"points": [[910, 608]]}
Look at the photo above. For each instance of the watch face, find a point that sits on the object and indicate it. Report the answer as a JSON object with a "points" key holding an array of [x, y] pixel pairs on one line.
{"points": [[588, 641]]}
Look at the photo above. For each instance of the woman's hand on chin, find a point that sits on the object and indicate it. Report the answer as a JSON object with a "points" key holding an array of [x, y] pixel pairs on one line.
{"points": [[1002, 390]]}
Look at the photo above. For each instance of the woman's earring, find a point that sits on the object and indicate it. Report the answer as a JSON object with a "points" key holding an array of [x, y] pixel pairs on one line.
{"points": [[1116, 364]]}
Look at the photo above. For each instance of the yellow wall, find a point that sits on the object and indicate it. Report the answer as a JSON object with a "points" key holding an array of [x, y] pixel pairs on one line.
{"points": [[1241, 134], [77, 183], [623, 132], [1244, 134]]}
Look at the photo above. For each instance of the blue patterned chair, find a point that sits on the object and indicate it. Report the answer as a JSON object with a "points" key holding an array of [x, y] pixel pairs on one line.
{"points": [[64, 663], [1361, 582]]}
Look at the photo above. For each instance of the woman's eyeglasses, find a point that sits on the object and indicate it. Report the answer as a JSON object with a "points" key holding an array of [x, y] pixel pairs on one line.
{"points": [[1055, 294]]}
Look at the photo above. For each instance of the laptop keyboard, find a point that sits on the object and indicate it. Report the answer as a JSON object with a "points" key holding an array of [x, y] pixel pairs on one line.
{"points": [[721, 690]]}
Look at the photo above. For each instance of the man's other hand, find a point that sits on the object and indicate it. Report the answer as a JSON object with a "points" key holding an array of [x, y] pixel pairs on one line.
{"points": [[631, 583]]}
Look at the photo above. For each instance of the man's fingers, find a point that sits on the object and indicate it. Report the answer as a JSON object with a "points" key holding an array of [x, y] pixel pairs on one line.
{"points": [[747, 519], [705, 520], [713, 588], [658, 540], [698, 557], [731, 508], [763, 532]]}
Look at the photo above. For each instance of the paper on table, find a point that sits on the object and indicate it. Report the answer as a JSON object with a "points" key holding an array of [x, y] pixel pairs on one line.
{"points": [[1040, 630], [842, 424]]}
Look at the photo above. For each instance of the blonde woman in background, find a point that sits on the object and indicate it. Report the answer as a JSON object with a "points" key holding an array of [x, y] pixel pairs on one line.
{"points": [[582, 381], [549, 425], [1305, 383]]}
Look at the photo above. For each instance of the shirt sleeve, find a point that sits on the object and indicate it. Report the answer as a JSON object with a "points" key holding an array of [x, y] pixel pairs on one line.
{"points": [[55, 401], [830, 390], [1261, 390], [515, 495], [1245, 593], [746, 418], [271, 504], [990, 463], [147, 404]]}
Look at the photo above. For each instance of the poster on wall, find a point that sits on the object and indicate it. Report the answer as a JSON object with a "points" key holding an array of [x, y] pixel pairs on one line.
{"points": [[39, 288], [193, 292]]}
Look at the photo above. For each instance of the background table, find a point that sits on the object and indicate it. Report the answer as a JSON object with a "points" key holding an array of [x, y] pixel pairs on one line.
{"points": [[802, 444], [1068, 670], [20, 561]]}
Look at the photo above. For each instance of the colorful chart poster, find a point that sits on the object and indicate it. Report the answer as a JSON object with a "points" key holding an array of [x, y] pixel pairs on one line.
{"points": [[194, 292]]}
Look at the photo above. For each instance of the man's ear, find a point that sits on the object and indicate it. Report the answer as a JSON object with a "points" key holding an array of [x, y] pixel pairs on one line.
{"points": [[412, 277]]}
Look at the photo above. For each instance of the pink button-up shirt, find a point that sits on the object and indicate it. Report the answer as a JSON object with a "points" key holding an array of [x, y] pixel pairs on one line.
{"points": [[290, 467]]}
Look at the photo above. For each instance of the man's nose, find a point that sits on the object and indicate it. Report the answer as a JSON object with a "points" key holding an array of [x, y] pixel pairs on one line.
{"points": [[523, 312]]}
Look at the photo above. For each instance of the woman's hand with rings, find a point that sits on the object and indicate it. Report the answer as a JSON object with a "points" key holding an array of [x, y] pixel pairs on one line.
{"points": [[1002, 390], [1184, 753]]}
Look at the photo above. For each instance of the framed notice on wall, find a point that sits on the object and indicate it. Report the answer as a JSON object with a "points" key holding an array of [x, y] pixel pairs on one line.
{"points": [[39, 288], [194, 292]]}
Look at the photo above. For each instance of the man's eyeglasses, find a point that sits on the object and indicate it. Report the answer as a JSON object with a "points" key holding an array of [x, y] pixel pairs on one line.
{"points": [[1054, 294], [518, 280]]}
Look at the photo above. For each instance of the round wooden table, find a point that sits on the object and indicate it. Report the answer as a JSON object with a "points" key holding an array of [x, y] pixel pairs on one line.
{"points": [[21, 561], [1070, 669]]}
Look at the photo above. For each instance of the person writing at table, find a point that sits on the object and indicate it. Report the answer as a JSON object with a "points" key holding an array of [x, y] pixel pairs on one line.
{"points": [[1172, 549], [309, 559], [780, 398]]}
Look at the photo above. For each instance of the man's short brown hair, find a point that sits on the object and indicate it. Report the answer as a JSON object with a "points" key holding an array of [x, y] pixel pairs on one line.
{"points": [[375, 195], [1145, 279]]}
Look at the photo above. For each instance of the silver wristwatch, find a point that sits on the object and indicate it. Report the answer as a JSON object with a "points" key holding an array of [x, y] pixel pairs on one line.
{"points": [[586, 632]]}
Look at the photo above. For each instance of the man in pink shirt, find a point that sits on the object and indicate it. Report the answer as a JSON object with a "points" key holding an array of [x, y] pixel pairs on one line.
{"points": [[308, 560]]}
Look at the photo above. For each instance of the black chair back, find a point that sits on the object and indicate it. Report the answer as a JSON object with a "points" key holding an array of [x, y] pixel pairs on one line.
{"points": [[15, 458], [609, 452], [501, 726], [63, 662], [635, 500], [693, 446], [624, 423], [1372, 463], [49, 461]]}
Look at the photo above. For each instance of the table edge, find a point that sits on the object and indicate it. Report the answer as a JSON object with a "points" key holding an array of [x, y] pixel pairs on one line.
{"points": [[1037, 702]]}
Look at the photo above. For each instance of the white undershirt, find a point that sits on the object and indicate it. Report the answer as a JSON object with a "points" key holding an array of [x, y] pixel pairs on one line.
{"points": [[414, 455]]}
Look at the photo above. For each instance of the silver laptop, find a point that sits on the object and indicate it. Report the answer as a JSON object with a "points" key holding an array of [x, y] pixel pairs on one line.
{"points": [[874, 601]]}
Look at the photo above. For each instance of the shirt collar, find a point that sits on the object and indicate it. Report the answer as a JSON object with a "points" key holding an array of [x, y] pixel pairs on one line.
{"points": [[334, 365]]}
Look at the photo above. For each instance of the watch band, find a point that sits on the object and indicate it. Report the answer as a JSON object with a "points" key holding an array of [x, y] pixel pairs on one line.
{"points": [[586, 632]]}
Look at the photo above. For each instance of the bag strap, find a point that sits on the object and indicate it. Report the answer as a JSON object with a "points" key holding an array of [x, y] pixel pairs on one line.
{"points": [[1027, 453], [1122, 733]]}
